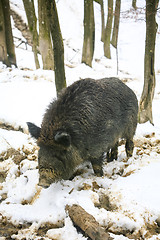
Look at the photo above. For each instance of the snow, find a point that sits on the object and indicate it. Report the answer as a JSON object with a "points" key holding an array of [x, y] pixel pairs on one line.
{"points": [[131, 185]]}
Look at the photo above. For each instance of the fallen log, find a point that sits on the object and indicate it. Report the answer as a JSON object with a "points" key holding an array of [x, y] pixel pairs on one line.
{"points": [[87, 223]]}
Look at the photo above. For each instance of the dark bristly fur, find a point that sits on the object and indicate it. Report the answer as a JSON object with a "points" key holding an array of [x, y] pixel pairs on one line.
{"points": [[88, 118]]}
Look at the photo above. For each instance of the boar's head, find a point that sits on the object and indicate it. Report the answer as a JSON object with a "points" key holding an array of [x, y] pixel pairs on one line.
{"points": [[54, 156]]}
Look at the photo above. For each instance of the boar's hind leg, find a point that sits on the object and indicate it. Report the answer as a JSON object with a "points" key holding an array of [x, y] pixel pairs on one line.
{"points": [[97, 166], [113, 153], [129, 147]]}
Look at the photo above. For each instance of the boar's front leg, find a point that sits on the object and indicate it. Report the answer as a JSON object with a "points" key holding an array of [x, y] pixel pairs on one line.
{"points": [[129, 147], [97, 166], [113, 153]]}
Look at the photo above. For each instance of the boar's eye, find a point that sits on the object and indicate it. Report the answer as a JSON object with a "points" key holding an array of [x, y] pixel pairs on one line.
{"points": [[63, 138]]}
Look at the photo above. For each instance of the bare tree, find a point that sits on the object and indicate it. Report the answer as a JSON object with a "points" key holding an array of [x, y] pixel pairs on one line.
{"points": [[45, 44], [102, 21], [89, 33], [114, 40], [58, 47], [108, 30], [32, 23], [134, 2], [102, 18], [7, 50], [145, 105], [3, 46]]}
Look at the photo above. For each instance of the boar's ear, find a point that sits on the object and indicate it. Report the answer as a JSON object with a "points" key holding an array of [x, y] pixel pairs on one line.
{"points": [[34, 130], [63, 138]]}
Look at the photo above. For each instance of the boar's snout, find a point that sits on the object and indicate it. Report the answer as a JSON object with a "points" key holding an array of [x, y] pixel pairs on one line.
{"points": [[43, 183], [51, 169], [46, 177]]}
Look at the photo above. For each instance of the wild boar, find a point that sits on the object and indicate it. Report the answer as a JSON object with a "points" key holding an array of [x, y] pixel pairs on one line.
{"points": [[86, 121]]}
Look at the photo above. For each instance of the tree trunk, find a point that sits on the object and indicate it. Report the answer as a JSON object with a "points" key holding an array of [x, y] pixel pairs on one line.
{"points": [[45, 45], [59, 69], [134, 4], [114, 40], [102, 19], [3, 47], [89, 33], [32, 23], [145, 105], [8, 33], [108, 30], [7, 50]]}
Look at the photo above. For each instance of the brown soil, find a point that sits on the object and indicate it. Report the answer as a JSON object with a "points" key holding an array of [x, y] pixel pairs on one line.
{"points": [[7, 229], [22, 26]]}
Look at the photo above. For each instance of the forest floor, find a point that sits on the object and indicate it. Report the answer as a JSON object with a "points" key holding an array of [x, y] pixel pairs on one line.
{"points": [[8, 230], [125, 201]]}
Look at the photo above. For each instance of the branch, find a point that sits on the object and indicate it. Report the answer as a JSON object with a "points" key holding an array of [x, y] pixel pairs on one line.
{"points": [[87, 223]]}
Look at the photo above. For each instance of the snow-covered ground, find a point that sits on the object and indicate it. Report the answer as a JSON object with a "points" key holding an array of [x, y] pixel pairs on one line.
{"points": [[126, 200]]}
